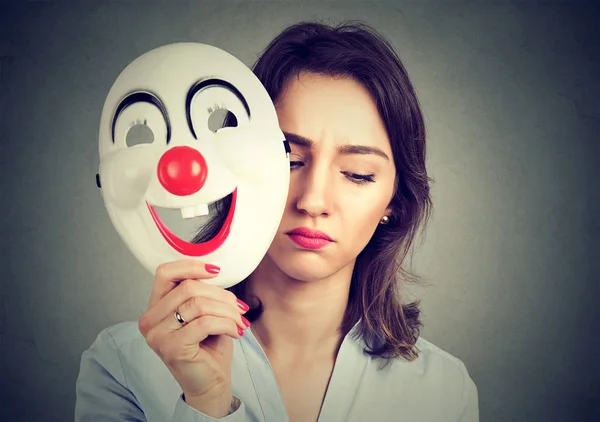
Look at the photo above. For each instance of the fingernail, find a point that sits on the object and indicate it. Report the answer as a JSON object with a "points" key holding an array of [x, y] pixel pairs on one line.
{"points": [[242, 305], [246, 322], [213, 269], [240, 331]]}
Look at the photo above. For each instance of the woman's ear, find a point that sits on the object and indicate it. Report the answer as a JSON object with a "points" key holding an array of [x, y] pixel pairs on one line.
{"points": [[388, 211]]}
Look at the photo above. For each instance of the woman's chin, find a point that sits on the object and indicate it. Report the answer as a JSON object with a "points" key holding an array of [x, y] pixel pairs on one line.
{"points": [[304, 268], [304, 275]]}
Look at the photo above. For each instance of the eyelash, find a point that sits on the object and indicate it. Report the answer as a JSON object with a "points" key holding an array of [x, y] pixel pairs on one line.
{"points": [[138, 122], [214, 108], [359, 179]]}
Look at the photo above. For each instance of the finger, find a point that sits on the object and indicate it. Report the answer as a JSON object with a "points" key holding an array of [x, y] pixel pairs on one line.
{"points": [[198, 306], [185, 291], [199, 329], [170, 274], [195, 307], [171, 345]]}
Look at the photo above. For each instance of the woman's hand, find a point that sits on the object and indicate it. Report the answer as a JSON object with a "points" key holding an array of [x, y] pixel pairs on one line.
{"points": [[198, 352]]}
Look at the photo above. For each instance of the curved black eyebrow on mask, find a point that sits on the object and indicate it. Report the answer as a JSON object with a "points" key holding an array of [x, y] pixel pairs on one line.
{"points": [[344, 149], [200, 85], [136, 97]]}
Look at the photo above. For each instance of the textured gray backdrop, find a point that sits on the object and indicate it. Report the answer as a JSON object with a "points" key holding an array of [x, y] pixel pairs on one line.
{"points": [[511, 96]]}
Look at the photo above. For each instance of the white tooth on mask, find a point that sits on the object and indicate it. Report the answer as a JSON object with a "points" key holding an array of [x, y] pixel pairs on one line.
{"points": [[194, 211], [187, 212], [201, 209]]}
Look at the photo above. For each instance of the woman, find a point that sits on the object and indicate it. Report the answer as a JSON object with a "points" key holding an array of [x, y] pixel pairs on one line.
{"points": [[331, 339]]}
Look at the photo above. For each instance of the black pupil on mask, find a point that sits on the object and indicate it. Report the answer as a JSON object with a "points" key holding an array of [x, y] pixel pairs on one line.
{"points": [[221, 118]]}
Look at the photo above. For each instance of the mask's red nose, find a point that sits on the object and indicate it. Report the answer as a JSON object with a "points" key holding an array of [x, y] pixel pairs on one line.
{"points": [[182, 170]]}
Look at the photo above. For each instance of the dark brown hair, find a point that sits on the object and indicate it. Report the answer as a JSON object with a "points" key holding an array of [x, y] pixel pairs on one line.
{"points": [[388, 326]]}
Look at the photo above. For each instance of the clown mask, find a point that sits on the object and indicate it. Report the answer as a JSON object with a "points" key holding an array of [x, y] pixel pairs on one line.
{"points": [[230, 183]]}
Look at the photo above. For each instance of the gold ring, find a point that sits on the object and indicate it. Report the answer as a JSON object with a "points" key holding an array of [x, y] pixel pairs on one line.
{"points": [[178, 317]]}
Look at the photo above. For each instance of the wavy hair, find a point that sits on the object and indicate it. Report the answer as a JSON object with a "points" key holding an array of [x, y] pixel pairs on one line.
{"points": [[389, 327]]}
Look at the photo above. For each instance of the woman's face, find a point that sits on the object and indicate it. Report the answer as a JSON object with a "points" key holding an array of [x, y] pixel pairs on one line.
{"points": [[342, 174]]}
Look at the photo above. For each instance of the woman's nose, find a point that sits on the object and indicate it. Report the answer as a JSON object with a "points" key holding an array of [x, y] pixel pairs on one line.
{"points": [[314, 194], [182, 170]]}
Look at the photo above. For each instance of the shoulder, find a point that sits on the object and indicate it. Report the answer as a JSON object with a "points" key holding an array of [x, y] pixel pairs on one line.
{"points": [[120, 367], [123, 344], [436, 366], [431, 364], [113, 349], [436, 381], [433, 358], [120, 335], [458, 389], [455, 385], [113, 342]]}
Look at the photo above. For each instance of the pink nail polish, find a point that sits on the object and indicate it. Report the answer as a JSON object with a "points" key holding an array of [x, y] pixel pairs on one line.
{"points": [[240, 331], [246, 322], [242, 305], [213, 269]]}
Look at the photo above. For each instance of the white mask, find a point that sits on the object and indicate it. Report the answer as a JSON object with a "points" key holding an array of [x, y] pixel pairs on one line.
{"points": [[172, 90]]}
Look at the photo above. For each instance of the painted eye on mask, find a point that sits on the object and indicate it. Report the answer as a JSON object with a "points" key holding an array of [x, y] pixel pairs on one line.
{"points": [[210, 105], [140, 123]]}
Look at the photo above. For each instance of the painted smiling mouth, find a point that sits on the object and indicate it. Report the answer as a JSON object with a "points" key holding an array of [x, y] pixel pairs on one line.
{"points": [[210, 236]]}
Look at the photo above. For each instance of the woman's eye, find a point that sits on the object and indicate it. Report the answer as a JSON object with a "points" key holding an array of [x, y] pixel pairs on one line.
{"points": [[360, 179]]}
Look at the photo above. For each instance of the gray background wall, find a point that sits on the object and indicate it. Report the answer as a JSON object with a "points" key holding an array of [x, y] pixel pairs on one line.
{"points": [[512, 100]]}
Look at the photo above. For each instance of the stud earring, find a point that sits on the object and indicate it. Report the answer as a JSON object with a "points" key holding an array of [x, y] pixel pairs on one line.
{"points": [[384, 220]]}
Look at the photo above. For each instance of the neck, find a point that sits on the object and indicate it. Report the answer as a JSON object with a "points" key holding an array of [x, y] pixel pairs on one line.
{"points": [[300, 319]]}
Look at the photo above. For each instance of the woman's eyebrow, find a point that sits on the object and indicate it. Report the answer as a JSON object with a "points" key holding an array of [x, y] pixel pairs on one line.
{"points": [[292, 138], [298, 140]]}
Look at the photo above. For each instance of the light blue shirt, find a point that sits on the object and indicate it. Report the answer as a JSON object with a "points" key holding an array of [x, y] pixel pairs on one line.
{"points": [[122, 379]]}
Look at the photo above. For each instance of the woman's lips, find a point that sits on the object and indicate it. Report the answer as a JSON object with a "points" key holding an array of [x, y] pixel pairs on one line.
{"points": [[196, 249], [309, 239]]}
